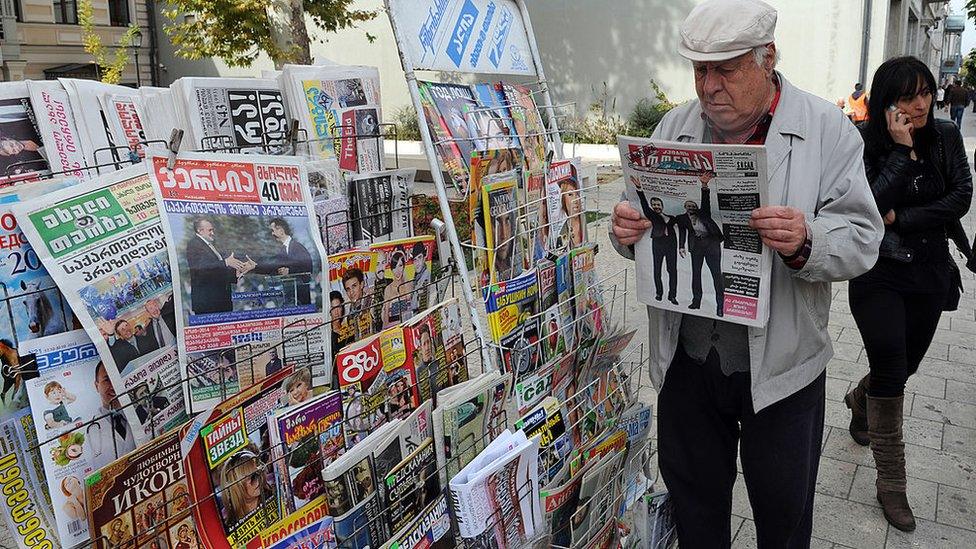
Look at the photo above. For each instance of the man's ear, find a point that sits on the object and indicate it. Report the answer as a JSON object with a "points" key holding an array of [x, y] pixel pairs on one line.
{"points": [[770, 62]]}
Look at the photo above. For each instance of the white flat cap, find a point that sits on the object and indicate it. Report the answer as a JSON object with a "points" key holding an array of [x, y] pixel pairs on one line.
{"points": [[718, 30]]}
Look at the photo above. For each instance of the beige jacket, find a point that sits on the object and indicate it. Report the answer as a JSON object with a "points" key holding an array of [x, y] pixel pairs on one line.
{"points": [[814, 158]]}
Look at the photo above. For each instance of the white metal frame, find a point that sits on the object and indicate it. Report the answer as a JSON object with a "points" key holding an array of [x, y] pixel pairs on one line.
{"points": [[487, 356]]}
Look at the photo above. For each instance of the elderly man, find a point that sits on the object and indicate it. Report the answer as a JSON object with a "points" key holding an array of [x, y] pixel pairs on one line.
{"points": [[724, 387]]}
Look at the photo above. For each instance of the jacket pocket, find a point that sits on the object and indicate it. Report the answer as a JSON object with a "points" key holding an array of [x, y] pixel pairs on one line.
{"points": [[816, 297]]}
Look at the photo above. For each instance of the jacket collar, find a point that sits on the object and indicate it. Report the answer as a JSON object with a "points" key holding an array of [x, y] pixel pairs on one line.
{"points": [[789, 119]]}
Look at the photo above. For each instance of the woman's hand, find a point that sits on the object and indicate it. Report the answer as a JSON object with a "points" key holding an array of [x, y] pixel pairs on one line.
{"points": [[899, 126]]}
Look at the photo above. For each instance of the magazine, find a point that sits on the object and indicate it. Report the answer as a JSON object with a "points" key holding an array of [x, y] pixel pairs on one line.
{"points": [[247, 257], [555, 442], [506, 250], [467, 417], [377, 383], [500, 125], [429, 335], [242, 114], [309, 528], [295, 450], [27, 512], [56, 125], [102, 243], [496, 496], [564, 207], [699, 199], [528, 125], [352, 276], [333, 103], [379, 205], [231, 480], [587, 295], [552, 327], [403, 282], [598, 497], [62, 404], [141, 500], [352, 500], [431, 529], [512, 308], [449, 109], [32, 305], [483, 164], [29, 158], [410, 486]]}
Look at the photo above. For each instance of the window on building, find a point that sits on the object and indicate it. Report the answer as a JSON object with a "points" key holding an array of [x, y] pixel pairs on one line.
{"points": [[66, 11], [118, 12]]}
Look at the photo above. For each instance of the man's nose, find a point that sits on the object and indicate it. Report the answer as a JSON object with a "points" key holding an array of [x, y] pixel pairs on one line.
{"points": [[712, 83]]}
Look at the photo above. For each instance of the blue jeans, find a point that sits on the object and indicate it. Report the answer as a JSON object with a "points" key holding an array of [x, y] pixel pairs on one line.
{"points": [[955, 112]]}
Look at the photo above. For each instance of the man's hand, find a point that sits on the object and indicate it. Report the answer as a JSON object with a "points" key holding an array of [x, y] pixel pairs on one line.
{"points": [[628, 225], [233, 262], [889, 218], [782, 228], [282, 270], [705, 177], [681, 252]]}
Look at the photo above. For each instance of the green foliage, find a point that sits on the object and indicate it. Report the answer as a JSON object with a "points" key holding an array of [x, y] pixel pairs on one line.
{"points": [[237, 31], [647, 114], [408, 125], [968, 70], [602, 125], [113, 68]]}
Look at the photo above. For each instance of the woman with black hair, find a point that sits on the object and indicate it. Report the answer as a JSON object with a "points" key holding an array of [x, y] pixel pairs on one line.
{"points": [[920, 178]]}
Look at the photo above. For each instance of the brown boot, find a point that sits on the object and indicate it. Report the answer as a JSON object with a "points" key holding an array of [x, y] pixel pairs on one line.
{"points": [[885, 430], [857, 403]]}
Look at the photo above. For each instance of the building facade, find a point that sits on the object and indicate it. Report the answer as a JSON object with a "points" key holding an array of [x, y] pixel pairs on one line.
{"points": [[41, 39]]}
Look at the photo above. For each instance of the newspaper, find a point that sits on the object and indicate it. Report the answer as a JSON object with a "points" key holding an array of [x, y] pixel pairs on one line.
{"points": [[157, 112], [379, 206], [27, 159], [247, 257], [102, 243], [97, 138], [124, 126], [699, 199], [231, 113], [27, 512], [56, 124], [496, 496]]}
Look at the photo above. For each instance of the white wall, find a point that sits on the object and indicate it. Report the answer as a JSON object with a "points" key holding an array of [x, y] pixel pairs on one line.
{"points": [[624, 43]]}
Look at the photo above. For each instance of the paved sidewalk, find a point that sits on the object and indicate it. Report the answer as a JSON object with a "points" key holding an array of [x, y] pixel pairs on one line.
{"points": [[940, 424]]}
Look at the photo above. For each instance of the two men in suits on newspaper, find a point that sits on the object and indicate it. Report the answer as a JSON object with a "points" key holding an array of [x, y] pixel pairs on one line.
{"points": [[701, 236]]}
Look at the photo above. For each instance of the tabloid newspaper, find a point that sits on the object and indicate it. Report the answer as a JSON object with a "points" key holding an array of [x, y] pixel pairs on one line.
{"points": [[62, 402], [142, 500], [247, 256], [102, 243], [27, 512], [468, 416], [227, 462], [28, 159], [58, 131], [496, 496], [339, 109], [351, 281], [699, 199], [122, 115], [379, 206], [429, 530], [242, 113]]}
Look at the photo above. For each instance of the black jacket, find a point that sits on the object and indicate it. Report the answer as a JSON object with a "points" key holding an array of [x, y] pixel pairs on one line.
{"points": [[924, 214], [210, 278], [686, 229]]}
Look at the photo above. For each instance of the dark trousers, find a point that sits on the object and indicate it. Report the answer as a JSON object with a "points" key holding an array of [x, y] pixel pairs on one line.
{"points": [[955, 112], [665, 250], [897, 328], [709, 253], [703, 416]]}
